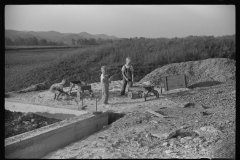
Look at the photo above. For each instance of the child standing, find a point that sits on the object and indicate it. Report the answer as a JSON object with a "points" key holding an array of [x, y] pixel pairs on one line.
{"points": [[127, 72], [104, 84]]}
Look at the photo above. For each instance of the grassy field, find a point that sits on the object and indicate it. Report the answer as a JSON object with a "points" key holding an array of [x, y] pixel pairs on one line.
{"points": [[26, 67]]}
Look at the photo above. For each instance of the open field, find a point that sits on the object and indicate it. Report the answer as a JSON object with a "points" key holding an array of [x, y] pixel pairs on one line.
{"points": [[26, 67]]}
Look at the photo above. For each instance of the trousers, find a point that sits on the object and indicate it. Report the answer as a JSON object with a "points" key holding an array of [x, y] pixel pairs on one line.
{"points": [[105, 92], [125, 83]]}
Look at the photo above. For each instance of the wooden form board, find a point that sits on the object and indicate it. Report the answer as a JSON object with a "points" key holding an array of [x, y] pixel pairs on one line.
{"points": [[174, 82], [40, 145]]}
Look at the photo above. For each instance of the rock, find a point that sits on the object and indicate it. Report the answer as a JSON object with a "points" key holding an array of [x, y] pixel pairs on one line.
{"points": [[171, 144], [26, 122], [165, 144], [149, 135], [188, 138], [210, 129], [187, 146], [160, 135], [188, 105], [196, 140], [153, 121], [168, 151], [19, 118], [233, 92], [183, 140]]}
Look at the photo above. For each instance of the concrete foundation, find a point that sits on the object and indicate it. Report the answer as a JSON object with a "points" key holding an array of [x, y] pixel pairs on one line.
{"points": [[37, 144]]}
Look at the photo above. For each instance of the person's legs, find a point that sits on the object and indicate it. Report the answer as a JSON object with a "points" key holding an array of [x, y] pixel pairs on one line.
{"points": [[54, 96], [106, 89], [123, 87], [71, 86], [129, 84], [54, 91], [58, 92], [103, 94]]}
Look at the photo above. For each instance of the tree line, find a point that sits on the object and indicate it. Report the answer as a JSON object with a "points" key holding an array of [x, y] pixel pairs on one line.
{"points": [[31, 41], [43, 42], [169, 50], [91, 41]]}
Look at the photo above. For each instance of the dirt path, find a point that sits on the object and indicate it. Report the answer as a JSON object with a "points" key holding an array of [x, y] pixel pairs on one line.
{"points": [[199, 123]]}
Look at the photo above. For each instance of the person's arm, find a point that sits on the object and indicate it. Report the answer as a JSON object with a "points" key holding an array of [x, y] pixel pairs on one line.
{"points": [[132, 72], [123, 69]]}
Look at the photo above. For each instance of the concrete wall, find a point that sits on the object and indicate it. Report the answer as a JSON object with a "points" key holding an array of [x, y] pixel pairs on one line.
{"points": [[40, 145]]}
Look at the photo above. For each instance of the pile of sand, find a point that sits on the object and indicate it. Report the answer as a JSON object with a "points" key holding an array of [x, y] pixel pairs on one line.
{"points": [[214, 69], [36, 87]]}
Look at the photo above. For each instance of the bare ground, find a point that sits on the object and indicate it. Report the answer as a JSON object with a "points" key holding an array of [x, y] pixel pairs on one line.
{"points": [[18, 122], [200, 123]]}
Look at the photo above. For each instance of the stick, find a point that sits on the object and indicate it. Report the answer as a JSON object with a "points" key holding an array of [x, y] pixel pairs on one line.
{"points": [[156, 114], [96, 104]]}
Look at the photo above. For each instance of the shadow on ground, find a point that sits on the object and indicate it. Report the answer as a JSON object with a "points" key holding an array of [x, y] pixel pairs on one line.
{"points": [[205, 84], [135, 102], [112, 117], [181, 93]]}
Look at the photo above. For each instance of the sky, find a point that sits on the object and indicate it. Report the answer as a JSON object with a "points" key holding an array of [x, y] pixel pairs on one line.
{"points": [[125, 21]]}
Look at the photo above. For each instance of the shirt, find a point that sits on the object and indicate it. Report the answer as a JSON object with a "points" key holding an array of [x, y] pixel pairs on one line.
{"points": [[127, 71], [101, 77], [124, 66], [104, 80]]}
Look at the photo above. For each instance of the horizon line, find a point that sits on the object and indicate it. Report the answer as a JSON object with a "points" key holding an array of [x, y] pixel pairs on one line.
{"points": [[122, 37]]}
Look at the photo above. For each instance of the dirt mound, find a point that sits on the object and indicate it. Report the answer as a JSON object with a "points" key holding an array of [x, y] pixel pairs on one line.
{"points": [[214, 69], [36, 87]]}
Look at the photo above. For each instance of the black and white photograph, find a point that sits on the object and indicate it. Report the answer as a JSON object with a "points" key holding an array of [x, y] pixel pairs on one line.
{"points": [[124, 81]]}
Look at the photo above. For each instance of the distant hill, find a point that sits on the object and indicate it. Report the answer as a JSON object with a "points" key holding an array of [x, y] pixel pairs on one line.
{"points": [[54, 36]]}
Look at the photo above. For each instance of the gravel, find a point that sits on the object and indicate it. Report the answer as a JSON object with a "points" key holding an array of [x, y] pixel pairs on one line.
{"points": [[210, 70], [136, 136]]}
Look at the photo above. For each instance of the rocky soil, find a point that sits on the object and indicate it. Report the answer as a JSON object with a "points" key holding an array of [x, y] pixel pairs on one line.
{"points": [[17, 122], [200, 124], [213, 69]]}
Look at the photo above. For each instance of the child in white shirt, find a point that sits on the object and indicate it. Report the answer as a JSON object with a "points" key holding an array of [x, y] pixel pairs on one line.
{"points": [[104, 84]]}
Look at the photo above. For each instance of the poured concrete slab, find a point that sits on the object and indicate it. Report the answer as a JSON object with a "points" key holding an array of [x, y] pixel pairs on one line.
{"points": [[49, 112]]}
